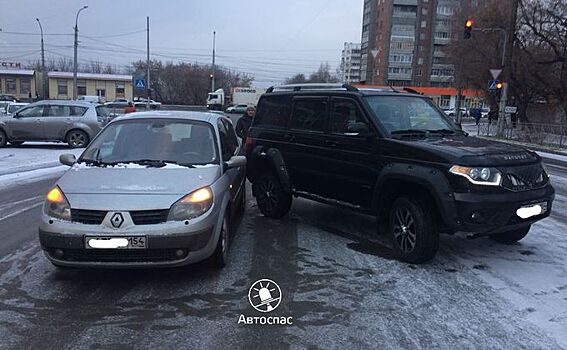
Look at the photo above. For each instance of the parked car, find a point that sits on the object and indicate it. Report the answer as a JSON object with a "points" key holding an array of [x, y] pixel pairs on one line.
{"points": [[395, 156], [153, 104], [8, 98], [241, 108], [13, 107], [451, 112], [91, 99], [73, 122], [153, 189]]}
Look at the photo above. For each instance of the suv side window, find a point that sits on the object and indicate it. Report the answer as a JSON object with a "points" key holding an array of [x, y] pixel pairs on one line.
{"points": [[309, 114], [78, 111], [31, 112], [228, 148], [346, 117], [59, 111], [273, 112]]}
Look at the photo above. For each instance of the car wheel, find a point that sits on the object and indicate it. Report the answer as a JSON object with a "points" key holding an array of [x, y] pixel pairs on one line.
{"points": [[2, 138], [77, 139], [16, 143], [511, 237], [414, 230], [220, 255], [273, 201]]}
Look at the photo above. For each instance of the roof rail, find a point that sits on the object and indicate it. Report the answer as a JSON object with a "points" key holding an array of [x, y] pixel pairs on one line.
{"points": [[312, 86], [412, 91]]}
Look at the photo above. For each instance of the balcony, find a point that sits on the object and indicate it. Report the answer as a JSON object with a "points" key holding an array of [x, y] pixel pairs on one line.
{"points": [[394, 76]]}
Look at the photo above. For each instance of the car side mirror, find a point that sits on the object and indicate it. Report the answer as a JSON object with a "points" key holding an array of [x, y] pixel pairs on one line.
{"points": [[235, 162], [17, 115], [67, 159]]}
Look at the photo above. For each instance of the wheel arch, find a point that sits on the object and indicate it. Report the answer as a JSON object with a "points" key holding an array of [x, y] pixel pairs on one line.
{"points": [[270, 159]]}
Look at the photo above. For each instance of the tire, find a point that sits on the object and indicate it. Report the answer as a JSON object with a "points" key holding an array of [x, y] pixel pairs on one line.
{"points": [[220, 256], [243, 199], [2, 138], [511, 237], [16, 143], [77, 139], [273, 201], [413, 230]]}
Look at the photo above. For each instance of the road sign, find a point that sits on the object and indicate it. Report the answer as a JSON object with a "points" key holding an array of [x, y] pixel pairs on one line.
{"points": [[492, 85], [374, 53], [510, 109], [495, 73], [140, 83]]}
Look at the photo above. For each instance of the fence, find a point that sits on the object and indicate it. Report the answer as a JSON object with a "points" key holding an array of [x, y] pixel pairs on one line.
{"points": [[549, 135]]}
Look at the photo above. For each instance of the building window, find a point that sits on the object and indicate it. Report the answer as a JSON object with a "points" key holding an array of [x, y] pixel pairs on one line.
{"points": [[420, 60], [25, 86], [120, 91], [423, 24], [62, 87], [442, 35], [400, 58], [81, 87], [418, 73], [422, 36], [424, 11], [11, 86]]}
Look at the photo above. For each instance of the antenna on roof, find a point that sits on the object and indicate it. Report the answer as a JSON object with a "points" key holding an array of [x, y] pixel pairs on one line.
{"points": [[392, 88]]}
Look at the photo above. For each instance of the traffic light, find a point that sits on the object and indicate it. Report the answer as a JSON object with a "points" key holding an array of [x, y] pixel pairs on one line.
{"points": [[468, 29], [499, 85]]}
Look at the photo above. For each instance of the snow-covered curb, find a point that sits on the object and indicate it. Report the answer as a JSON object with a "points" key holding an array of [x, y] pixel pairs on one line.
{"points": [[31, 176]]}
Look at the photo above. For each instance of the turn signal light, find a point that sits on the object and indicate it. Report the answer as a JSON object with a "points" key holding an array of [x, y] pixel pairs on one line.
{"points": [[55, 196]]}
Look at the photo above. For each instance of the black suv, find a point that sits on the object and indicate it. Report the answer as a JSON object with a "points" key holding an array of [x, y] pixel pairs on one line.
{"points": [[397, 156]]}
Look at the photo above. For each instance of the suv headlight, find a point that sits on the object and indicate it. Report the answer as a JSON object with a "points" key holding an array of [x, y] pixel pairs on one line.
{"points": [[478, 175], [192, 205], [56, 205]]}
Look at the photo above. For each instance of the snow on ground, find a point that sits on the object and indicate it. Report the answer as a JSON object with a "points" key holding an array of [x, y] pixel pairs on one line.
{"points": [[32, 156]]}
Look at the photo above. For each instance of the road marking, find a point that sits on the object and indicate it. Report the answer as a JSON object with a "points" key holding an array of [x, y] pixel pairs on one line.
{"points": [[23, 201], [18, 212]]}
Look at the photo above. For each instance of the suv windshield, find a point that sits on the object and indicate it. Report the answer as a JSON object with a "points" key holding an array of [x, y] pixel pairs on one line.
{"points": [[399, 114], [153, 143]]}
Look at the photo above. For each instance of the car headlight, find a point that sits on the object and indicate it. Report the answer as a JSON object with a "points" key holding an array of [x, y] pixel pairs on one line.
{"points": [[192, 205], [478, 175], [56, 205]]}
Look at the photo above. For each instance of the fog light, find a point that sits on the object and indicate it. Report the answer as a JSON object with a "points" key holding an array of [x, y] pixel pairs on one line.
{"points": [[58, 253], [180, 253]]}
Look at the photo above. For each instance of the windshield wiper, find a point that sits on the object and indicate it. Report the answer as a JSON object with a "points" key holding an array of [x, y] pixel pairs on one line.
{"points": [[409, 132], [446, 131]]}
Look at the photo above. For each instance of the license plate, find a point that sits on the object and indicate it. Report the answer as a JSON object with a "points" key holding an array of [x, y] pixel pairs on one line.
{"points": [[528, 211], [133, 242]]}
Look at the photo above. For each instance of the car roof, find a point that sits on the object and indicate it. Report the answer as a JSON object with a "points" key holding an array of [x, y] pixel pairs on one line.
{"points": [[63, 103], [360, 92], [187, 115]]}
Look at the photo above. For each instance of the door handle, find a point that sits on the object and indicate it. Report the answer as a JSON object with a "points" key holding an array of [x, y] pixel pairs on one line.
{"points": [[331, 143]]}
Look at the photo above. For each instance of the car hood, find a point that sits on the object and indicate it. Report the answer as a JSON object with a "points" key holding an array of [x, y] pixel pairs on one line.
{"points": [[132, 189], [465, 150]]}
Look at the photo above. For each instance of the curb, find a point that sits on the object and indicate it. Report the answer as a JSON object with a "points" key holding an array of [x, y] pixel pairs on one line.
{"points": [[28, 168]]}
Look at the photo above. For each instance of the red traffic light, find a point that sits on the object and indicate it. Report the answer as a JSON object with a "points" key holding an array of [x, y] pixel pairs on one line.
{"points": [[469, 23]]}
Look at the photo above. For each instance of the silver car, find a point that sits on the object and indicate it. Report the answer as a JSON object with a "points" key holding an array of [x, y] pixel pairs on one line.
{"points": [[153, 189], [73, 122]]}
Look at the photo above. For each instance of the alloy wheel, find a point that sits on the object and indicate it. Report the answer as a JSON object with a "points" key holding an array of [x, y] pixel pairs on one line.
{"points": [[77, 139], [404, 230], [268, 196]]}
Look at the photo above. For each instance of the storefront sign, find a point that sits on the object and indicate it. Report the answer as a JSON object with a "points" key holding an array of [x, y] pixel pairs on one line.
{"points": [[15, 65]]}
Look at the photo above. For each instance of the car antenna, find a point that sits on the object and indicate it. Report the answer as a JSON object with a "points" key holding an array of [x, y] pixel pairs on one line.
{"points": [[392, 88]]}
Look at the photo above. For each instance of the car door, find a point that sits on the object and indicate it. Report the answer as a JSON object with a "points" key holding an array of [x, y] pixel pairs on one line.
{"points": [[26, 125], [351, 165], [305, 150], [56, 121], [230, 147]]}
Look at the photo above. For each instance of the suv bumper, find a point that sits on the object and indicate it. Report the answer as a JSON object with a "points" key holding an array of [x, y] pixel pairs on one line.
{"points": [[497, 212]]}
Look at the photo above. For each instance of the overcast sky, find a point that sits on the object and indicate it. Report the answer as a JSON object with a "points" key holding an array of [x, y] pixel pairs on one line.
{"points": [[273, 39]]}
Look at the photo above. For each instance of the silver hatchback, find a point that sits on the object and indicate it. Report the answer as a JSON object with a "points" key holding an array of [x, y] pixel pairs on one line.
{"points": [[73, 122], [152, 189]]}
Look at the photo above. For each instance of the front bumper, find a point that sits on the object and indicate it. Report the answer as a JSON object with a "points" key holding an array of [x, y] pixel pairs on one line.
{"points": [[497, 212], [167, 245]]}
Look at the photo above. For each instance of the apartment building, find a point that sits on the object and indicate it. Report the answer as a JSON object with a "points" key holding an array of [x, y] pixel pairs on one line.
{"points": [[403, 42], [349, 69]]}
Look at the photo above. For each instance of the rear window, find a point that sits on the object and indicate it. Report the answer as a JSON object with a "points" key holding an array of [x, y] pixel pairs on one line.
{"points": [[76, 110], [273, 112]]}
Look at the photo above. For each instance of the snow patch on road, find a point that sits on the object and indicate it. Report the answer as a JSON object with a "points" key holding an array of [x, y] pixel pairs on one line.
{"points": [[31, 176]]}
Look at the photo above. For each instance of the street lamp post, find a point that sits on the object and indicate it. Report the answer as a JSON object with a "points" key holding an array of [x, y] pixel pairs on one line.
{"points": [[75, 54], [43, 72], [213, 75]]}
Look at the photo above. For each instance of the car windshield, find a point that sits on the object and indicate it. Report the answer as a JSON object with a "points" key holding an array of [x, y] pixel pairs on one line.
{"points": [[153, 142], [400, 114]]}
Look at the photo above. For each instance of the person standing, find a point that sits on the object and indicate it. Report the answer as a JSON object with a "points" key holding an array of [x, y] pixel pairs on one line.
{"points": [[245, 122], [129, 108]]}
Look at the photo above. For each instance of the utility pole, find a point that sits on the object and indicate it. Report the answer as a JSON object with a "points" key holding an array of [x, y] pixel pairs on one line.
{"points": [[213, 75], [44, 93], [507, 69], [148, 90], [75, 53]]}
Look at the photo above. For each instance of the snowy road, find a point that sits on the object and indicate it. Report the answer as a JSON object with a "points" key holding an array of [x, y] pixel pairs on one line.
{"points": [[341, 288]]}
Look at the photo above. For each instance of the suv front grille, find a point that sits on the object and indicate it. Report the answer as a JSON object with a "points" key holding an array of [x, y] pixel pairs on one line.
{"points": [[149, 217], [89, 217], [524, 178]]}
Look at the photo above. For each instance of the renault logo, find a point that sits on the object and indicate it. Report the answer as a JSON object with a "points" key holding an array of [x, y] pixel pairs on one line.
{"points": [[117, 220]]}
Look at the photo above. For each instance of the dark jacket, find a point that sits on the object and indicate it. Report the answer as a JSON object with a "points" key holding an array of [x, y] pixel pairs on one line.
{"points": [[242, 126]]}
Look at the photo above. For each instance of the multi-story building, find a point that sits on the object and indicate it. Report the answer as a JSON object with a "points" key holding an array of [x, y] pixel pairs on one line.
{"points": [[350, 63], [403, 42]]}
